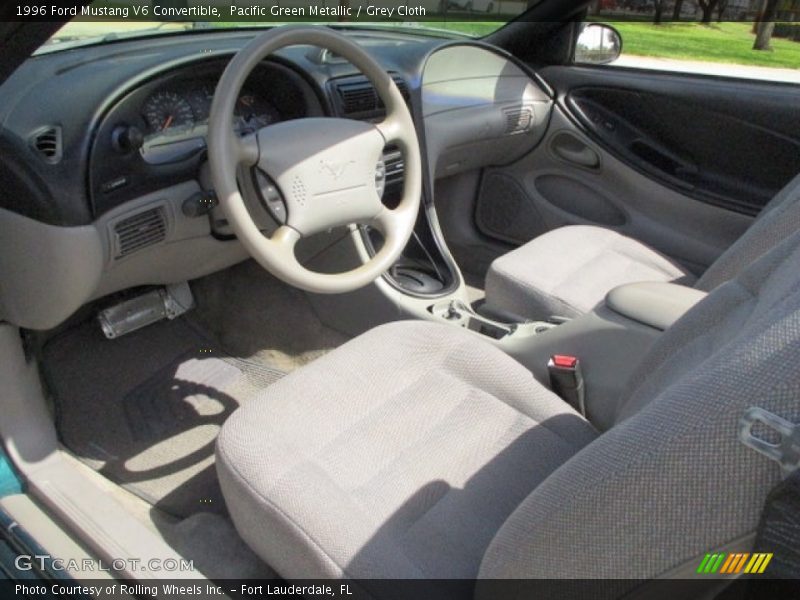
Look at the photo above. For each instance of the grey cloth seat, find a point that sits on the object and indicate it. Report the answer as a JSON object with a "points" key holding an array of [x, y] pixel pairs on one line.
{"points": [[420, 450], [569, 270], [377, 459]]}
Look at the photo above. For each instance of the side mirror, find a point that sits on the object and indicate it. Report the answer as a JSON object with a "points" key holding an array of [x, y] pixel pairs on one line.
{"points": [[598, 44]]}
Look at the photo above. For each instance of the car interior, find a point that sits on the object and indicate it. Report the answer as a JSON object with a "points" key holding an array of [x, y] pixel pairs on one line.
{"points": [[314, 302]]}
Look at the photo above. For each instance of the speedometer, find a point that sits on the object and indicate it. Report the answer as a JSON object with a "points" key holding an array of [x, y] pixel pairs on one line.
{"points": [[168, 112]]}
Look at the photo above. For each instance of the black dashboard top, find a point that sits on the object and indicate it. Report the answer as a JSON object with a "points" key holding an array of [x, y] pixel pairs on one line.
{"points": [[66, 117]]}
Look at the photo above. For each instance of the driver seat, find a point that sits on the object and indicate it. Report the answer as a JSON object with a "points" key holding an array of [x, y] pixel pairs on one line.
{"points": [[418, 450]]}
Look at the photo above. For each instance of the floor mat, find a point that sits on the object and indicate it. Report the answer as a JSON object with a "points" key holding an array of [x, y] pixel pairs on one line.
{"points": [[145, 409], [271, 321], [215, 548]]}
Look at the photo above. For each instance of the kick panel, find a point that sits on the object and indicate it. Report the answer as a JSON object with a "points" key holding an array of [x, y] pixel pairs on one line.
{"points": [[505, 212]]}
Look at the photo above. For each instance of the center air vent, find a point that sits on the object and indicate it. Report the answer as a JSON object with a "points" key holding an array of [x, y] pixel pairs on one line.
{"points": [[518, 119], [357, 98], [140, 231], [47, 143]]}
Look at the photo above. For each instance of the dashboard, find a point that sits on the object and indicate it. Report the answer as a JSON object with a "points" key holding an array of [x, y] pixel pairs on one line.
{"points": [[88, 129], [102, 148], [156, 134]]}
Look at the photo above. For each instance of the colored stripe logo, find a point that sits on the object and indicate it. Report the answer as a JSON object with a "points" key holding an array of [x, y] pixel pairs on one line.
{"points": [[734, 563]]}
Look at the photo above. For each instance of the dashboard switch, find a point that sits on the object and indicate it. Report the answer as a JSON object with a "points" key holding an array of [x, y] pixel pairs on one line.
{"points": [[271, 198], [199, 204], [380, 178], [126, 139]]}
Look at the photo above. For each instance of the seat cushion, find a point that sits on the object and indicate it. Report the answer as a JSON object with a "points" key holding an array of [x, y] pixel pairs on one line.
{"points": [[569, 271], [398, 455]]}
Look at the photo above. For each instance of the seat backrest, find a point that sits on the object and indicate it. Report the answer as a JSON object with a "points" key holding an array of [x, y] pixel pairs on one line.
{"points": [[776, 221], [670, 480]]}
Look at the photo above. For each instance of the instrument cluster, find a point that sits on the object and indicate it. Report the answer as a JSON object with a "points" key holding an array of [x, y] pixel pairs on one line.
{"points": [[156, 134], [173, 112], [176, 119]]}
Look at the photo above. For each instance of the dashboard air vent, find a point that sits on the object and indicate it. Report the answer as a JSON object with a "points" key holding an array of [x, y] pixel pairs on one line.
{"points": [[518, 119], [140, 230], [47, 143], [357, 97]]}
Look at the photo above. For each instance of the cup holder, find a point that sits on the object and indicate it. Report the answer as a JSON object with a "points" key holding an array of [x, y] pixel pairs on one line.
{"points": [[492, 330], [460, 314]]}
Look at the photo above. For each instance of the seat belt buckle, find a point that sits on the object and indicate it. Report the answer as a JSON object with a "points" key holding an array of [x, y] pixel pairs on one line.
{"points": [[566, 380], [786, 451]]}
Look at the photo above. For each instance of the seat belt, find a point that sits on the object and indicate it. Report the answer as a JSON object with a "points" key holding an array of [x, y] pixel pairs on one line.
{"points": [[779, 527], [566, 380]]}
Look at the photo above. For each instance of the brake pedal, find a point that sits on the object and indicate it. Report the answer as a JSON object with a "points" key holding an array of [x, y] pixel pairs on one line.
{"points": [[169, 302]]}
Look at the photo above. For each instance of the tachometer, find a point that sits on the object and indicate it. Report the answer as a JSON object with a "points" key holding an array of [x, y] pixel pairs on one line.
{"points": [[168, 112]]}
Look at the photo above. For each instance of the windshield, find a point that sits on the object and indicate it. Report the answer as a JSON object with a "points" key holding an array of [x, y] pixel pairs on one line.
{"points": [[109, 20]]}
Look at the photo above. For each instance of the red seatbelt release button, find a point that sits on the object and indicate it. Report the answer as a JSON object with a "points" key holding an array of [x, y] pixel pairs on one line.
{"points": [[566, 380], [564, 361]]}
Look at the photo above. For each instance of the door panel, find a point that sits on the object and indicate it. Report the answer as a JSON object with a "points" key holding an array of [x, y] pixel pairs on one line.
{"points": [[680, 162], [554, 190], [730, 142]]}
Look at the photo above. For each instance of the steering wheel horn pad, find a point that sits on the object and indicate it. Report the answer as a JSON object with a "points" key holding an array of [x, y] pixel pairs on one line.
{"points": [[324, 167]]}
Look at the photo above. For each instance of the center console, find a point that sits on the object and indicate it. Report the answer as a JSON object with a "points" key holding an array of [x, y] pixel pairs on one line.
{"points": [[464, 315], [609, 341]]}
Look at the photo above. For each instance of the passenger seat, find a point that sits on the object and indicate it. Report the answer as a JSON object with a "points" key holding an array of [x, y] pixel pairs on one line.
{"points": [[568, 271]]}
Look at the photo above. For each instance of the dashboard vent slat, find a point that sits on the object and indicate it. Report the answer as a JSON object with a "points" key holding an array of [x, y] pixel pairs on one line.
{"points": [[357, 96], [47, 144], [402, 86], [518, 119], [139, 231]]}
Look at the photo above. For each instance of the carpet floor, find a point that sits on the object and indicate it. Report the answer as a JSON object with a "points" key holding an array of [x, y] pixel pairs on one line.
{"points": [[145, 409]]}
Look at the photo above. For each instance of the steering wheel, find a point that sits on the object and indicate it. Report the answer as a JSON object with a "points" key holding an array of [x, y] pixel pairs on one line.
{"points": [[325, 168]]}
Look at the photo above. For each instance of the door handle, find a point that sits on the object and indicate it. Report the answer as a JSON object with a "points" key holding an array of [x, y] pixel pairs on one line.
{"points": [[585, 157], [573, 150]]}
